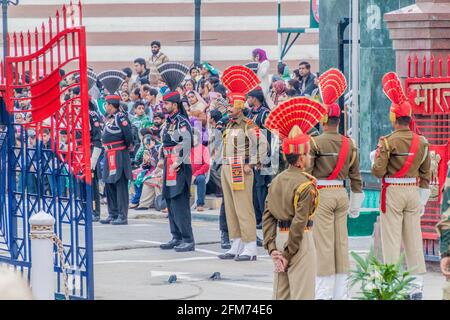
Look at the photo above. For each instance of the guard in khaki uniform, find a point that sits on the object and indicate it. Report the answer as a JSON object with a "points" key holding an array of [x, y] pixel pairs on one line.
{"points": [[334, 159], [292, 200], [402, 161], [443, 228], [244, 147]]}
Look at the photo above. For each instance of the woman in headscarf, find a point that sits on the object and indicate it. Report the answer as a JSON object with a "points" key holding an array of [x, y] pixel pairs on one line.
{"points": [[278, 92], [260, 56], [197, 107]]}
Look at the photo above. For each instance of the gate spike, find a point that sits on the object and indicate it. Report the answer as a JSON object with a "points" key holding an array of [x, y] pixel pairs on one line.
{"points": [[440, 65], [72, 14], [64, 9], [409, 66], [15, 43], [424, 66], [57, 21], [416, 66], [80, 9], [432, 66], [50, 27]]}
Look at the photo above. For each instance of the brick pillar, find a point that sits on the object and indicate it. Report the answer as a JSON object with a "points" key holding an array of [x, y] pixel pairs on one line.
{"points": [[422, 29]]}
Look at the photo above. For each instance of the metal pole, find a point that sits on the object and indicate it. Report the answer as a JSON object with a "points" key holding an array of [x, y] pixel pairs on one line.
{"points": [[5, 26], [342, 25], [198, 4], [355, 71], [280, 35]]}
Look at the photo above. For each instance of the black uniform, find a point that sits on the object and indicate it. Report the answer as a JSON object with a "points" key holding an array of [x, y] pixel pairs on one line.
{"points": [[117, 138], [261, 181], [177, 133], [95, 126]]}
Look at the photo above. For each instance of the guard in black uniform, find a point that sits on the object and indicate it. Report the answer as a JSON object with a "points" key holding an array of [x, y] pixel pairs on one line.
{"points": [[95, 124], [259, 113], [117, 141]]}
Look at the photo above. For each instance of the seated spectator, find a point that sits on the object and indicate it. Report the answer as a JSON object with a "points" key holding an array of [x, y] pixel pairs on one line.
{"points": [[140, 120], [197, 104], [283, 71], [126, 99], [140, 67], [188, 86], [307, 84], [149, 162], [200, 166], [294, 84], [279, 89], [155, 129]]}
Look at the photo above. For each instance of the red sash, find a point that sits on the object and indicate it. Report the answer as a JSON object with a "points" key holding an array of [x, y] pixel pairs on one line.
{"points": [[341, 158], [112, 163], [171, 175], [415, 142]]}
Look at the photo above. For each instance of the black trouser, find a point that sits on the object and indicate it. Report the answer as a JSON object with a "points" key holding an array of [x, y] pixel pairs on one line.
{"points": [[95, 194], [259, 195], [223, 218], [118, 197], [180, 217]]}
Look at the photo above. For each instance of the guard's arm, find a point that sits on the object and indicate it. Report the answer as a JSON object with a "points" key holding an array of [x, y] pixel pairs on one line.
{"points": [[125, 125], [303, 209], [379, 168], [425, 171], [354, 173], [269, 230]]}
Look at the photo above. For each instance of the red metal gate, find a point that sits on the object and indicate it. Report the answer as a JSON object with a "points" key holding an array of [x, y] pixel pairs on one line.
{"points": [[428, 88], [47, 149]]}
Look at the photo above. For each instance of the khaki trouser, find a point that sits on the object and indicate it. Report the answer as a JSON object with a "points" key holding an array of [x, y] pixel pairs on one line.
{"points": [[446, 295], [401, 222], [330, 232], [239, 207], [149, 194], [298, 283]]}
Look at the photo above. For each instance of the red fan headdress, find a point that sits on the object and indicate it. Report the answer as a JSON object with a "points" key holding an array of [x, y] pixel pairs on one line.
{"points": [[292, 119], [393, 89], [239, 81], [332, 85]]}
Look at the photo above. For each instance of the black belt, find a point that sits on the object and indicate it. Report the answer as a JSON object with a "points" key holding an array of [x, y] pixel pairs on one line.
{"points": [[114, 145], [287, 224]]}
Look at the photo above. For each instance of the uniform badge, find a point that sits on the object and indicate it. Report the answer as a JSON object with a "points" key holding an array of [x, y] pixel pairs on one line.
{"points": [[96, 124], [124, 123]]}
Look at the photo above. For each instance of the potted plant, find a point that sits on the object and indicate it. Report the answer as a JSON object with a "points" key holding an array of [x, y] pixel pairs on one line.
{"points": [[380, 281]]}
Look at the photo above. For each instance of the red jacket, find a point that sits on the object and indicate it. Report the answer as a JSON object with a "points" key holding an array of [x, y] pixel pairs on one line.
{"points": [[200, 160]]}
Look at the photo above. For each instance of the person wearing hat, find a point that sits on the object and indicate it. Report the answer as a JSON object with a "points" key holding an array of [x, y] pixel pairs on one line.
{"points": [[117, 141], [263, 175], [402, 162], [242, 150], [291, 203], [334, 159], [177, 142], [95, 126]]}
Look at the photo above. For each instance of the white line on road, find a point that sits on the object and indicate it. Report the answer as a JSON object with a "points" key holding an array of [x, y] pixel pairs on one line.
{"points": [[156, 261], [196, 249]]}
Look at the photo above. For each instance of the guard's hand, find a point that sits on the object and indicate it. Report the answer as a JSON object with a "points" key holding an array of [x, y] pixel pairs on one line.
{"points": [[445, 267], [175, 167], [247, 169], [131, 148], [160, 164]]}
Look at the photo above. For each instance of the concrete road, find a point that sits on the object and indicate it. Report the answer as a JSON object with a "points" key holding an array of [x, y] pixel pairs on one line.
{"points": [[130, 265]]}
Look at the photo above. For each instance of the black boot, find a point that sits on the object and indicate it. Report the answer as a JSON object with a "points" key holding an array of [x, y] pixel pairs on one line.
{"points": [[107, 220], [170, 245], [225, 240], [121, 220], [95, 218], [185, 247]]}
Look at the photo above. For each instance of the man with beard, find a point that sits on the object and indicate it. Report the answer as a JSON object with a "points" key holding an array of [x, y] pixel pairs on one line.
{"points": [[157, 59]]}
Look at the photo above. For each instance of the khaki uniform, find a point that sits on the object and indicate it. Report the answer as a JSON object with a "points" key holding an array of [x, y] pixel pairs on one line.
{"points": [[241, 139], [401, 221], [292, 199], [330, 224]]}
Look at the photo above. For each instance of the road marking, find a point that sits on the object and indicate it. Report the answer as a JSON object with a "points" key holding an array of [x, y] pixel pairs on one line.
{"points": [[243, 285], [156, 261], [196, 249]]}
